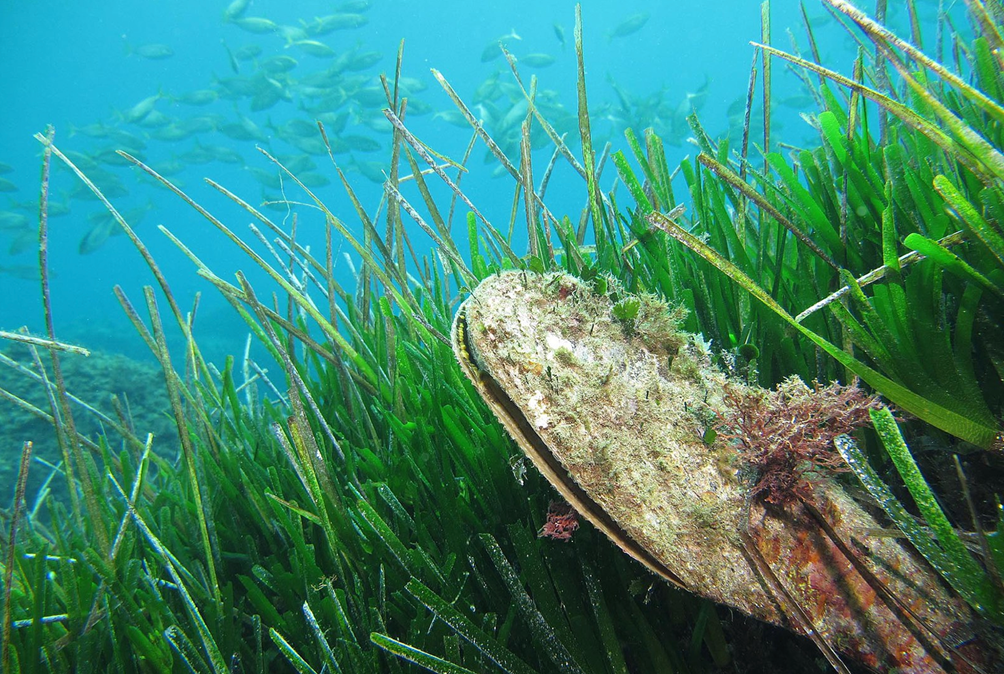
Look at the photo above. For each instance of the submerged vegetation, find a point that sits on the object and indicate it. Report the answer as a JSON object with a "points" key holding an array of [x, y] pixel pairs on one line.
{"points": [[354, 505]]}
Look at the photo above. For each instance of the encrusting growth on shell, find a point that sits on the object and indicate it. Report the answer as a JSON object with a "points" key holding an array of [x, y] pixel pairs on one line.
{"points": [[786, 435]]}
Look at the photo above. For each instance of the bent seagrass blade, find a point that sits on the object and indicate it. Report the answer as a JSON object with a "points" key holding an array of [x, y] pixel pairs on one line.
{"points": [[612, 410]]}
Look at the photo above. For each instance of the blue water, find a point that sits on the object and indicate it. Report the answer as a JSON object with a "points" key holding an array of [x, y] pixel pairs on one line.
{"points": [[66, 64]]}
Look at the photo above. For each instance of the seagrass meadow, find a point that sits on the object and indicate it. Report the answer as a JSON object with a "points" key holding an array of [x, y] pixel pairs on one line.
{"points": [[352, 505]]}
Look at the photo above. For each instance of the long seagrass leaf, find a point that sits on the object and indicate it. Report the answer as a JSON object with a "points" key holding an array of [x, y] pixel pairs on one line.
{"points": [[961, 426]]}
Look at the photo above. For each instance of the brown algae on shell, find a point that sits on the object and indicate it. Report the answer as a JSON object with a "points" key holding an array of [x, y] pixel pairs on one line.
{"points": [[612, 406]]}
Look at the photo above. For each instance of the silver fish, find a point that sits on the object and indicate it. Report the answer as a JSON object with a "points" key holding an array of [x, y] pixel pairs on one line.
{"points": [[153, 52], [314, 48], [629, 26], [235, 9], [536, 60], [256, 24], [137, 112]]}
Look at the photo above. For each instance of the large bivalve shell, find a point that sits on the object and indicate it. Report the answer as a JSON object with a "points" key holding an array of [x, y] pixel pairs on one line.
{"points": [[613, 409]]}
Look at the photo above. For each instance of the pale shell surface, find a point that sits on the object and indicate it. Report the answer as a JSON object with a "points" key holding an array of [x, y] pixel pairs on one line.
{"points": [[611, 401]]}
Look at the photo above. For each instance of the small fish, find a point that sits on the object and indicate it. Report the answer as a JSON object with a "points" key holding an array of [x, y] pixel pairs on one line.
{"points": [[127, 139], [492, 50], [416, 108], [353, 6], [23, 241], [277, 64], [736, 107], [314, 48], [296, 163], [334, 122], [370, 97], [265, 177], [5, 168], [265, 99], [224, 153], [233, 88], [21, 271], [9, 220], [697, 98], [58, 209], [515, 115], [248, 52], [628, 26], [104, 225], [244, 129], [373, 170], [256, 24], [412, 85], [798, 101], [197, 155], [361, 143], [81, 160], [323, 25], [366, 59], [7, 186], [374, 119], [234, 65], [153, 52], [537, 60], [309, 91], [155, 120], [169, 167], [235, 10], [559, 32], [291, 34], [84, 162], [97, 130], [489, 90], [819, 20], [96, 236], [334, 101], [108, 183], [110, 157], [314, 179], [454, 117], [295, 128], [137, 112], [314, 146], [197, 97]]}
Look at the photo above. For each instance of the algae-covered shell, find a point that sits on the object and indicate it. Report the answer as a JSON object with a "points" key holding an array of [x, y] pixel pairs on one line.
{"points": [[611, 402]]}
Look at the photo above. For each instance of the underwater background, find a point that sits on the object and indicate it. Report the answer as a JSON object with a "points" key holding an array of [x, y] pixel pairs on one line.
{"points": [[84, 69], [199, 90]]}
